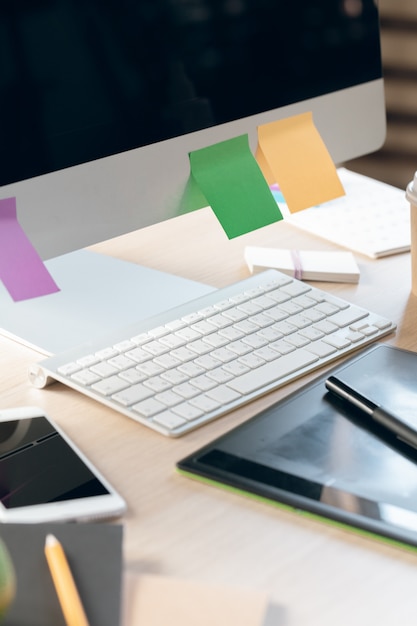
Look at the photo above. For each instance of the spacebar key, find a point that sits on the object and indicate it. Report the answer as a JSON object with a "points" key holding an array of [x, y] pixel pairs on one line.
{"points": [[272, 371]]}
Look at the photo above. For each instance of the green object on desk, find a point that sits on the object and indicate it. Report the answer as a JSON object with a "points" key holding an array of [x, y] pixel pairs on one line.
{"points": [[231, 180], [7, 580]]}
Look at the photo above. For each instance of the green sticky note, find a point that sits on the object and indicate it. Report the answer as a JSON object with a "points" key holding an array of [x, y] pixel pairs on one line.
{"points": [[231, 180], [192, 198]]}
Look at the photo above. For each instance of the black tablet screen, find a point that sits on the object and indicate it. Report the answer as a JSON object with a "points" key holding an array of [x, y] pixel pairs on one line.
{"points": [[313, 453]]}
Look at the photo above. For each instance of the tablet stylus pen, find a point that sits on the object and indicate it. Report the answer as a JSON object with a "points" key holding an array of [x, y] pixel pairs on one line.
{"points": [[392, 423]]}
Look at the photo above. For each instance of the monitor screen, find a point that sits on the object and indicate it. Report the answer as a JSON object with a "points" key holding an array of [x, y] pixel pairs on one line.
{"points": [[102, 101]]}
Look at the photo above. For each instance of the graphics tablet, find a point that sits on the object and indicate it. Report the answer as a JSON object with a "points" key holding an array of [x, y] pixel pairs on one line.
{"points": [[312, 452]]}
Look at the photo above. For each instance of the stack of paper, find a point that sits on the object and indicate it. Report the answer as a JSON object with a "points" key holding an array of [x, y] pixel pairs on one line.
{"points": [[305, 264]]}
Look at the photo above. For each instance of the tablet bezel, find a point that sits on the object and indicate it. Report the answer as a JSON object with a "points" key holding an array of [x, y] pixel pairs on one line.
{"points": [[231, 460]]}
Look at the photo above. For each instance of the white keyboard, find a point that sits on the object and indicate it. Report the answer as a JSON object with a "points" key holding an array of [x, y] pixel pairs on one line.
{"points": [[196, 362]]}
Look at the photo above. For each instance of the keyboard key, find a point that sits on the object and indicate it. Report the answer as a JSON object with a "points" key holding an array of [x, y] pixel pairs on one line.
{"points": [[174, 376], [326, 327], [337, 341], [121, 362], [185, 390], [282, 346], [103, 369], [148, 407], [110, 385], [169, 420], [85, 377], [321, 348], [157, 383], [169, 398], [203, 382], [205, 403], [348, 317], [369, 330], [132, 375], [133, 394], [187, 411], [220, 375], [223, 394]]}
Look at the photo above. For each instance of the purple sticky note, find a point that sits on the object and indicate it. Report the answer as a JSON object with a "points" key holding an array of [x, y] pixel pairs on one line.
{"points": [[21, 269]]}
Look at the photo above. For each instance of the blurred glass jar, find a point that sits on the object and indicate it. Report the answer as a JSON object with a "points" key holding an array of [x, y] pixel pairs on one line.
{"points": [[7, 580]]}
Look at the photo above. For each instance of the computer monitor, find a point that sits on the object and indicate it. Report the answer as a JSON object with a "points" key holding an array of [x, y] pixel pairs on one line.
{"points": [[103, 100]]}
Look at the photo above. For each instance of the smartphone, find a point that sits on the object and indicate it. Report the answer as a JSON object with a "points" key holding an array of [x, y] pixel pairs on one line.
{"points": [[44, 477]]}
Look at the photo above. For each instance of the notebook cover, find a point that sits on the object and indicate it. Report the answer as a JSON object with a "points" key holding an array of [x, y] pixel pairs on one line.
{"points": [[94, 552], [194, 603], [310, 454]]}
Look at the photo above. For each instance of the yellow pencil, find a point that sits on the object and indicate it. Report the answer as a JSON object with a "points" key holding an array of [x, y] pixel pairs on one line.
{"points": [[68, 596]]}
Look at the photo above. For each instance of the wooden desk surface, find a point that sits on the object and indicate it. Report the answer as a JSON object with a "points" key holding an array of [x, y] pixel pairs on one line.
{"points": [[175, 526]]}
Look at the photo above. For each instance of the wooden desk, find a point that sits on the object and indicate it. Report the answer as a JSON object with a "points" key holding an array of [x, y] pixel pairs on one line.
{"points": [[175, 526]]}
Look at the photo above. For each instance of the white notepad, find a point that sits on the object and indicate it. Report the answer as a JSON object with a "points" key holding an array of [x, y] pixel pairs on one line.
{"points": [[373, 218], [330, 266]]}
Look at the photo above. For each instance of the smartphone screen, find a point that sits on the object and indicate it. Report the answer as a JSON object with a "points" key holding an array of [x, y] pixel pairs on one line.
{"points": [[37, 466]]}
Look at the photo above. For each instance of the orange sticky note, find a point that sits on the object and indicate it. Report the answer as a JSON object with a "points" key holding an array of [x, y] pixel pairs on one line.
{"points": [[300, 162], [263, 164]]}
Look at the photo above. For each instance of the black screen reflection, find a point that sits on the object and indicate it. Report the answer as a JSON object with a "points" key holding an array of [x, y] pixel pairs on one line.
{"points": [[38, 466]]}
